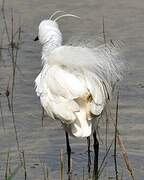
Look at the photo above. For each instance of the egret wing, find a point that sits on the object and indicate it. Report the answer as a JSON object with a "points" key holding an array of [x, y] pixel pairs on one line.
{"points": [[57, 89]]}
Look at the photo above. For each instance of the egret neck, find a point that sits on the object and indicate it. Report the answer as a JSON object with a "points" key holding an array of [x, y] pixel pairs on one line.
{"points": [[53, 40]]}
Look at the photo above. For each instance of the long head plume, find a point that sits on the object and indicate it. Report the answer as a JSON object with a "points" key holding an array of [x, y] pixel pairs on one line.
{"points": [[66, 15], [57, 12]]}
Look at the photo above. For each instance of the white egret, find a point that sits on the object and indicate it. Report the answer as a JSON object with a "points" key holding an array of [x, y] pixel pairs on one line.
{"points": [[75, 82]]}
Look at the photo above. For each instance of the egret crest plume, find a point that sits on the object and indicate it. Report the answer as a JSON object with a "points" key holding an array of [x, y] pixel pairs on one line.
{"points": [[66, 15], [61, 16], [56, 12]]}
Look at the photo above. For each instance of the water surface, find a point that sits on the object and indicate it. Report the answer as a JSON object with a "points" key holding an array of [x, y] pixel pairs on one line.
{"points": [[124, 20]]}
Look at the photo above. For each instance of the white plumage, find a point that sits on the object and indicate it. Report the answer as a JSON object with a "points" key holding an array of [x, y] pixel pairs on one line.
{"points": [[75, 82]]}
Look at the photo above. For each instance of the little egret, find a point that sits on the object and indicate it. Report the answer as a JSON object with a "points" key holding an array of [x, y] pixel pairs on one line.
{"points": [[75, 83]]}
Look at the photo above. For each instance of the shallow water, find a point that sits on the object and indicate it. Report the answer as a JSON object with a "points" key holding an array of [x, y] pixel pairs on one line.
{"points": [[123, 21]]}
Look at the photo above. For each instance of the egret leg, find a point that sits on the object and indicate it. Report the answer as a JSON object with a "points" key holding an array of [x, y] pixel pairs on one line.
{"points": [[68, 152], [89, 156], [96, 154]]}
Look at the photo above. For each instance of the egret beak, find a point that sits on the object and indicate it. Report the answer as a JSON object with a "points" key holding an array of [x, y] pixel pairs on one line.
{"points": [[36, 39]]}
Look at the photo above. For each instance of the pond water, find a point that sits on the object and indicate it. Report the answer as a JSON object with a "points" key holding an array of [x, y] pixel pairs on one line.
{"points": [[124, 20]]}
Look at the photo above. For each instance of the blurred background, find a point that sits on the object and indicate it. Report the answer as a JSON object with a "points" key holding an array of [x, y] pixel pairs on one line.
{"points": [[21, 125]]}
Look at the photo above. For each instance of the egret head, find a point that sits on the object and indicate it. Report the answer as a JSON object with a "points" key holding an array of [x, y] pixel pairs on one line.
{"points": [[49, 29]]}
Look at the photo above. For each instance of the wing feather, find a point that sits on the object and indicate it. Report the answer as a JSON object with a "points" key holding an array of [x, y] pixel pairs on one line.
{"points": [[97, 91], [62, 83], [57, 89]]}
